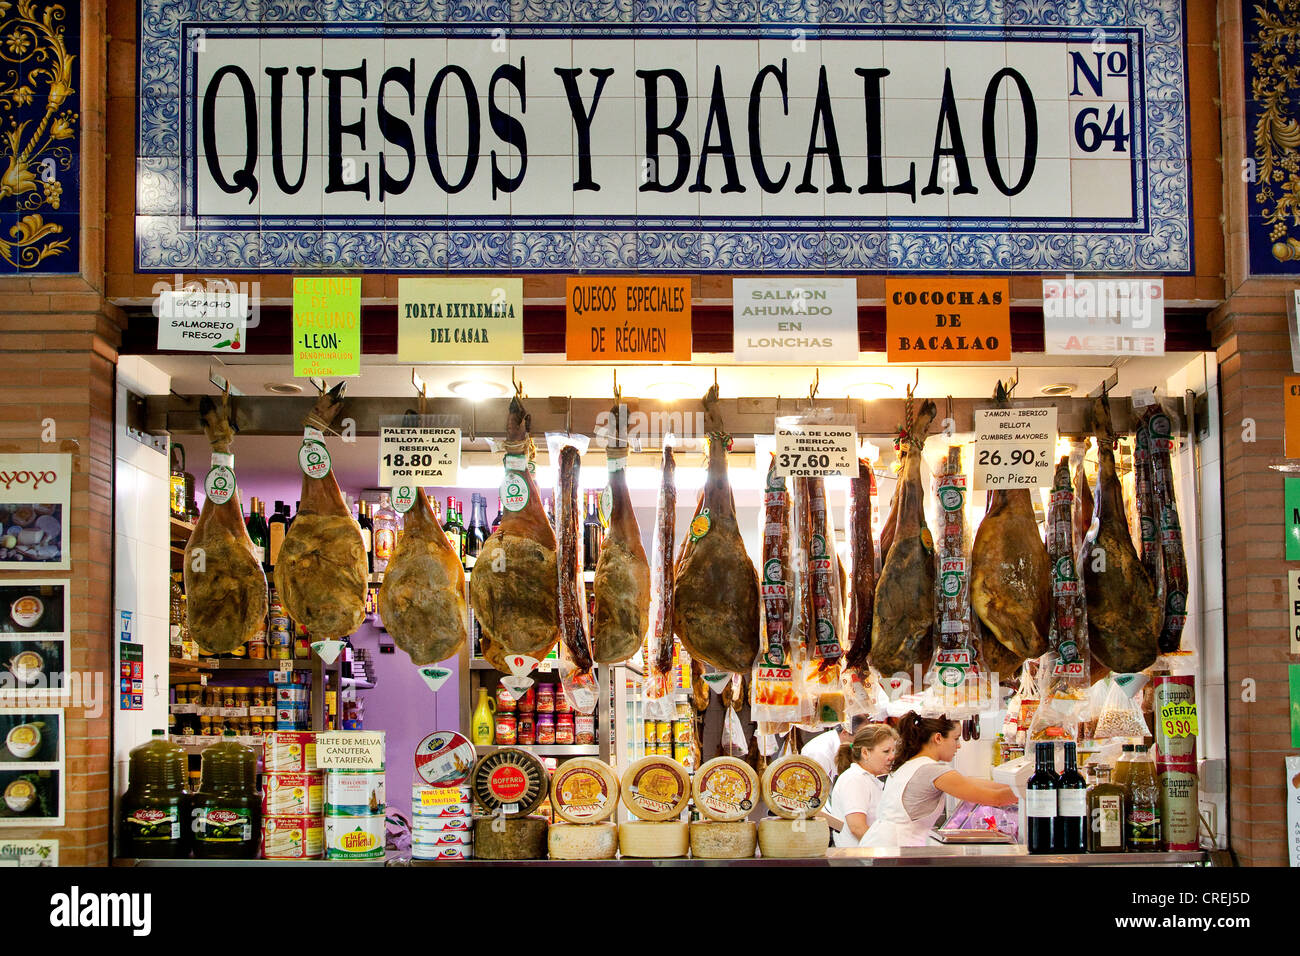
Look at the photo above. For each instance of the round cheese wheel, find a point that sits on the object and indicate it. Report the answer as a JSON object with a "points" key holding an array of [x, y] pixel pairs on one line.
{"points": [[712, 840], [584, 790], [793, 839], [656, 788], [591, 841], [796, 787], [647, 840], [726, 789], [510, 781], [514, 838]]}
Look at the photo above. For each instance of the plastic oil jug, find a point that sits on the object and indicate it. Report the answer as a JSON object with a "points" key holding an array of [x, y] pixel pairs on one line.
{"points": [[483, 725], [153, 806], [224, 814]]}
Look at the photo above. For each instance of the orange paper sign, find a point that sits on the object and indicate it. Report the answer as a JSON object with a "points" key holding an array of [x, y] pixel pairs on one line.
{"points": [[1291, 406], [628, 319], [948, 320]]}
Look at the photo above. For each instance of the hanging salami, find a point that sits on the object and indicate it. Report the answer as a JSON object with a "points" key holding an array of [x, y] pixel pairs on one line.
{"points": [[1160, 431]]}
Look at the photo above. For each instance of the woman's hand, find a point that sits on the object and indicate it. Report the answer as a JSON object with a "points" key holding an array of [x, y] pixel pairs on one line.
{"points": [[974, 790]]}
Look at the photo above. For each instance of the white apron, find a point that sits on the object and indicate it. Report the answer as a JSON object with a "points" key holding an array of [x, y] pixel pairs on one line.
{"points": [[893, 826]]}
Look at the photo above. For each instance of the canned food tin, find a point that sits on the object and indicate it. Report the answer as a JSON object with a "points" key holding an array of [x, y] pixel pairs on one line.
{"points": [[432, 838], [681, 731], [293, 838], [228, 697], [289, 751], [584, 729], [421, 824], [506, 728], [437, 794], [354, 793], [564, 730], [292, 794], [545, 698], [526, 732], [443, 811], [664, 731], [682, 754], [441, 853], [545, 728], [354, 838]]}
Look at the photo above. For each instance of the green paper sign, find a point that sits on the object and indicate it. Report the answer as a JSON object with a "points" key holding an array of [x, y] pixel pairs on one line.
{"points": [[1295, 705], [326, 326], [1292, 497]]}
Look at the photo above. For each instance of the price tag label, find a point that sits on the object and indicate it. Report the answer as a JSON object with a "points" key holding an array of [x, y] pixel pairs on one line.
{"points": [[350, 750], [1179, 720], [816, 451], [286, 667], [1014, 448], [419, 456]]}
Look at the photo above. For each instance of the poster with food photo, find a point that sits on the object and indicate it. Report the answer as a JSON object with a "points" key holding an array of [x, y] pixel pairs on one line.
{"points": [[34, 495], [31, 739], [33, 636], [30, 798]]}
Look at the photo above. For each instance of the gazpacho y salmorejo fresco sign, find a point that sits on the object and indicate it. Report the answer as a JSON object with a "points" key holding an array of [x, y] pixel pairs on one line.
{"points": [[687, 135], [34, 495]]}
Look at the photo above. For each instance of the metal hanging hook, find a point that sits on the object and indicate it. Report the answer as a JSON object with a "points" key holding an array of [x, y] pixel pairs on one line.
{"points": [[812, 389]]}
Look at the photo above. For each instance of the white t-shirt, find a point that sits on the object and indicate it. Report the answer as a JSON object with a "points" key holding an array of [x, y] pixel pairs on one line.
{"points": [[856, 791], [823, 749]]}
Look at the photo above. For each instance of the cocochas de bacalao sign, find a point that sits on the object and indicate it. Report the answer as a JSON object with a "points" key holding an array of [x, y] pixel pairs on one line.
{"points": [[666, 144]]}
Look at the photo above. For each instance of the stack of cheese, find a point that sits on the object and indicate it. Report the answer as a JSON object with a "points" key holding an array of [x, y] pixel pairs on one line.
{"points": [[507, 787], [726, 791], [656, 789], [584, 795], [442, 825], [796, 789]]}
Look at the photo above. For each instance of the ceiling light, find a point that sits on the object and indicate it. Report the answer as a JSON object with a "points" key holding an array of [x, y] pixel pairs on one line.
{"points": [[870, 390], [283, 388], [1059, 388], [670, 391], [476, 389]]}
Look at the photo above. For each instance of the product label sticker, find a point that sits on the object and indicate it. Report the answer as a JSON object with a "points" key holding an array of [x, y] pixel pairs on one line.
{"points": [[606, 505], [514, 492], [700, 525], [403, 498], [516, 463], [1179, 720], [219, 484], [435, 677], [718, 680], [419, 456], [314, 459], [817, 451], [439, 796], [616, 464]]}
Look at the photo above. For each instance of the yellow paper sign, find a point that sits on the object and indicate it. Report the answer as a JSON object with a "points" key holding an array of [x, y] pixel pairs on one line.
{"points": [[477, 319], [326, 326], [439, 796], [948, 320], [1179, 720]]}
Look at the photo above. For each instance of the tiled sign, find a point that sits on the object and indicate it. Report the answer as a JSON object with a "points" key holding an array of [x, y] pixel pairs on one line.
{"points": [[667, 136], [1269, 173]]}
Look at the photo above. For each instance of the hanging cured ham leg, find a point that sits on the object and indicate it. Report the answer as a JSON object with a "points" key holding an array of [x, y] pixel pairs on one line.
{"points": [[622, 581], [1123, 617], [422, 600], [1011, 576], [903, 617], [513, 586], [321, 573], [224, 584], [716, 599]]}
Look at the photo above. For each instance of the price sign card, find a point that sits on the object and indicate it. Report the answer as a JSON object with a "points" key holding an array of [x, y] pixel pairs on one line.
{"points": [[1014, 448], [817, 451], [350, 750], [419, 456]]}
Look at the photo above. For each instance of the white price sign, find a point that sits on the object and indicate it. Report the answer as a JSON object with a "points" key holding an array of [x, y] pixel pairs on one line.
{"points": [[817, 451], [419, 456], [350, 750], [1015, 448]]}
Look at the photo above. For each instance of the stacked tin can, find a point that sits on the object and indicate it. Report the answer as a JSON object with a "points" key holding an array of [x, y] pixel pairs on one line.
{"points": [[442, 825], [293, 825], [355, 812]]}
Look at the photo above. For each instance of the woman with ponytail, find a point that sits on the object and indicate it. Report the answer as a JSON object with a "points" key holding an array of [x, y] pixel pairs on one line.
{"points": [[913, 799], [857, 791]]}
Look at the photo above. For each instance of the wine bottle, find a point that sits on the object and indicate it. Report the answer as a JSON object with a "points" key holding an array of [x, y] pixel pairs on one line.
{"points": [[367, 533], [1072, 805], [464, 530], [258, 531], [500, 514], [385, 533], [477, 532], [1040, 801], [275, 529], [452, 529], [592, 535]]}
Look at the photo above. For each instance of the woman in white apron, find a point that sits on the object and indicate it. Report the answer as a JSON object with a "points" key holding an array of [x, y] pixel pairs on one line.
{"points": [[856, 796], [913, 799]]}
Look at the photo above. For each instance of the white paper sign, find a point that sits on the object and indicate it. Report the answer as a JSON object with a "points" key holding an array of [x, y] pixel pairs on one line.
{"points": [[521, 665], [1293, 608], [816, 451], [199, 320], [419, 456], [30, 852], [350, 750], [1293, 809], [796, 321], [435, 677], [1014, 448], [1103, 316]]}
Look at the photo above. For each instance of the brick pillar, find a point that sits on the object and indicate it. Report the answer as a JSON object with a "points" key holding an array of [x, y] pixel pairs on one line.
{"points": [[58, 341]]}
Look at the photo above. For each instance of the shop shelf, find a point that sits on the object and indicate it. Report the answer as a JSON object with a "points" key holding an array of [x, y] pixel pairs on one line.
{"points": [[180, 530], [544, 750], [244, 664]]}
